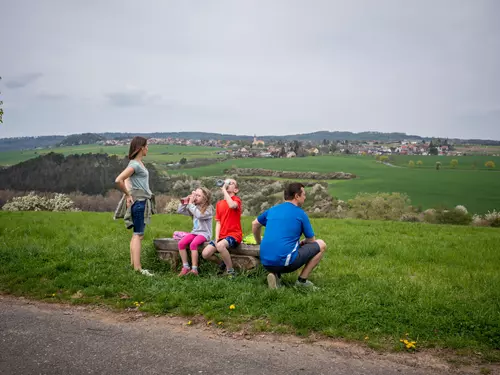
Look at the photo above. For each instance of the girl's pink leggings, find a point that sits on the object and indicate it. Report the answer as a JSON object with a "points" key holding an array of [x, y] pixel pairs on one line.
{"points": [[193, 240]]}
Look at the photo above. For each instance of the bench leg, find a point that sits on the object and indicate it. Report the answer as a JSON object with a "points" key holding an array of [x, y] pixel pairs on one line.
{"points": [[170, 256], [244, 262]]}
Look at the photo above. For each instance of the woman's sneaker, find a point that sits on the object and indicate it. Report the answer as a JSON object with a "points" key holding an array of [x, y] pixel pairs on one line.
{"points": [[184, 271], [146, 273]]}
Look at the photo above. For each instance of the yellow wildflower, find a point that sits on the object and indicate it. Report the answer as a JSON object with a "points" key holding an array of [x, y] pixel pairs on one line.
{"points": [[232, 307], [189, 322]]}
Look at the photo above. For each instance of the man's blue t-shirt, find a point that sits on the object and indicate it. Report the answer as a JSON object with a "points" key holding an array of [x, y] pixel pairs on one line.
{"points": [[284, 224]]}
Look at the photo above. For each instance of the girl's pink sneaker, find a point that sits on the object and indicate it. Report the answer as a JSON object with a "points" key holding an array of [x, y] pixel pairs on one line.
{"points": [[184, 271], [194, 272]]}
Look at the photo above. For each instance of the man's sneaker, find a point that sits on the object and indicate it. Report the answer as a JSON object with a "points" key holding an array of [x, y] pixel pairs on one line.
{"points": [[307, 284], [222, 268], [273, 281], [193, 272], [184, 271], [146, 273]]}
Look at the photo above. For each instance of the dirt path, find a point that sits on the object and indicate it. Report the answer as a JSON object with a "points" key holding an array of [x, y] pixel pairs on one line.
{"points": [[37, 337]]}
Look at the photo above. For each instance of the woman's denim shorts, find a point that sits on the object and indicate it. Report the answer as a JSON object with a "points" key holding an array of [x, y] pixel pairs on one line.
{"points": [[137, 210]]}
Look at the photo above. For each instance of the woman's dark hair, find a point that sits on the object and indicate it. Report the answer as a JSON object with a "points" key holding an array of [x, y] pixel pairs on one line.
{"points": [[292, 189], [135, 146]]}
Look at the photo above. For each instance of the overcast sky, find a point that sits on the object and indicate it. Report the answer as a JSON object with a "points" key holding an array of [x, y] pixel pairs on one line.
{"points": [[425, 67]]}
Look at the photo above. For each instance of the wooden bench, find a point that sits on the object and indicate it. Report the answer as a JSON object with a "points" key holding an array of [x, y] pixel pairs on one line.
{"points": [[245, 257]]}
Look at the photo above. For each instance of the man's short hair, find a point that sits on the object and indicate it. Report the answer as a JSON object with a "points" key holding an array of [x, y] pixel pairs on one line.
{"points": [[292, 189]]}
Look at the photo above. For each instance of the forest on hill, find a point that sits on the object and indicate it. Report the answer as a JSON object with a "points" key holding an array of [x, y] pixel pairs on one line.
{"points": [[88, 173]]}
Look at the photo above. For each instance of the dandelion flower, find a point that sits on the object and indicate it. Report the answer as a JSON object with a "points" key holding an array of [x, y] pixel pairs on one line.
{"points": [[219, 323], [189, 322], [232, 307]]}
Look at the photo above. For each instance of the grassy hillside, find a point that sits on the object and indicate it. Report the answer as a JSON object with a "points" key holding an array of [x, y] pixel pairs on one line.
{"points": [[476, 189], [157, 153], [439, 284]]}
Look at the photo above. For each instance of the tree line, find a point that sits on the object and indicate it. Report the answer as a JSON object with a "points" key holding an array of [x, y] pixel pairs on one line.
{"points": [[88, 173]]}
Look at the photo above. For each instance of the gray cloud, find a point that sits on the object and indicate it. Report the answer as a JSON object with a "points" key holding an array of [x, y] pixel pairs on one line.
{"points": [[253, 66], [22, 81], [51, 96], [132, 98]]}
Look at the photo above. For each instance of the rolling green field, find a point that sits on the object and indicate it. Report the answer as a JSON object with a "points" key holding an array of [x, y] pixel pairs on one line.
{"points": [[157, 153], [464, 162], [439, 284], [475, 189]]}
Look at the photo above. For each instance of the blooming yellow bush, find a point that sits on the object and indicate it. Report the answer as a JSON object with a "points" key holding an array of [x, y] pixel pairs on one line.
{"points": [[490, 164]]}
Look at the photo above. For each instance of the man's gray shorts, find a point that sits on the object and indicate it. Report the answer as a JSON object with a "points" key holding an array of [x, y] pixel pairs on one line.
{"points": [[305, 253]]}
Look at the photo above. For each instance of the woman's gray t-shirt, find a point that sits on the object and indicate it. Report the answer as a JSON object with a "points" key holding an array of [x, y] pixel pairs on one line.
{"points": [[140, 177]]}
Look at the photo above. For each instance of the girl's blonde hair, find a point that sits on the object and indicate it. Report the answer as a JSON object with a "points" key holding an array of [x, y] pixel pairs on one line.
{"points": [[208, 198]]}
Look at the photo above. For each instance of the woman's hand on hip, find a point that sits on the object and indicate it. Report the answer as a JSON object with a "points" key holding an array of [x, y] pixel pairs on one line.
{"points": [[130, 200]]}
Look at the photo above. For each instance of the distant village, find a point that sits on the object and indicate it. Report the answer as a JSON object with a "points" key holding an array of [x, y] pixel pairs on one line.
{"points": [[284, 149]]}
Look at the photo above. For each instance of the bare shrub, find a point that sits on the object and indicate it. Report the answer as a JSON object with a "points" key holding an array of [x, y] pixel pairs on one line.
{"points": [[171, 206], [492, 216], [410, 217], [7, 195], [97, 203], [430, 216], [479, 221], [335, 208], [490, 219], [162, 201], [453, 216], [379, 206]]}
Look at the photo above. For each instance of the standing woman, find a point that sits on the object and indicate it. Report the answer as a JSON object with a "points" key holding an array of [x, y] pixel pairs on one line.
{"points": [[137, 205]]}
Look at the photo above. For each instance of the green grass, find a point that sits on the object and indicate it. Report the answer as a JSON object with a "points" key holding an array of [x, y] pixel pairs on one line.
{"points": [[157, 153], [464, 162], [439, 284], [475, 189]]}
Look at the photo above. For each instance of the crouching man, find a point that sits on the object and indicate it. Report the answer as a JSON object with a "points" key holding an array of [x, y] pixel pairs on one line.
{"points": [[280, 249]]}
